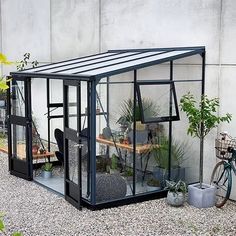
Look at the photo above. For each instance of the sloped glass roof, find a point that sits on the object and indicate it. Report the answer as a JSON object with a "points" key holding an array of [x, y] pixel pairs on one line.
{"points": [[109, 63]]}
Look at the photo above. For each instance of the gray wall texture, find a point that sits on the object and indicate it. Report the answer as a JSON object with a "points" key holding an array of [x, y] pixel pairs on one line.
{"points": [[53, 30]]}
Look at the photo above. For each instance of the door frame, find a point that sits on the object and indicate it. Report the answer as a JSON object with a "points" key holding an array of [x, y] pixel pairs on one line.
{"points": [[17, 167], [73, 191]]}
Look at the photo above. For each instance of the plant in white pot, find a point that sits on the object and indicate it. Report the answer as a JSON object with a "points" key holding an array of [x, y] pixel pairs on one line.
{"points": [[202, 119], [47, 170], [176, 192]]}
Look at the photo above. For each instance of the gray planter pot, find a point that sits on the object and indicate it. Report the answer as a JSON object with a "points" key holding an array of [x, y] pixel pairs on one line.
{"points": [[175, 199], [201, 198], [152, 188], [46, 174], [162, 174]]}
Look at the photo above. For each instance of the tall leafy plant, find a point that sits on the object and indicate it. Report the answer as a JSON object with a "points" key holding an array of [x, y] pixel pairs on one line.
{"points": [[202, 119], [127, 111]]}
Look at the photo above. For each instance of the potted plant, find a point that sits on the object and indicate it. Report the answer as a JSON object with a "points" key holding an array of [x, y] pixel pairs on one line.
{"points": [[47, 170], [114, 164], [153, 184], [202, 119], [176, 192], [127, 113], [161, 156]]}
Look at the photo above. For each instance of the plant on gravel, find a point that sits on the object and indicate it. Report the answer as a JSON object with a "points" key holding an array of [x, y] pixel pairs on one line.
{"points": [[2, 227]]}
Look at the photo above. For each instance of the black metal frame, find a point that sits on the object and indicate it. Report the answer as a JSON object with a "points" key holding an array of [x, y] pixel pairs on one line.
{"points": [[17, 167], [92, 81], [172, 95], [72, 190]]}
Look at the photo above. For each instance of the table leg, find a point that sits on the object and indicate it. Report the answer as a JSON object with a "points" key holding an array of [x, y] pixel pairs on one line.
{"points": [[145, 169]]}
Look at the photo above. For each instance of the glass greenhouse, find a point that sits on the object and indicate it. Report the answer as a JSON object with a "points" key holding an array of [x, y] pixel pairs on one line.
{"points": [[110, 121]]}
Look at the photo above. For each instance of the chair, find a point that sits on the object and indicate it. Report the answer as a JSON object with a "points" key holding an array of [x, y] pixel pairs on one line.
{"points": [[60, 143]]}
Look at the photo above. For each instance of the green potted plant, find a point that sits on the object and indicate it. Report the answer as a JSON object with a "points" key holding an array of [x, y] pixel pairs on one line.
{"points": [[127, 113], [176, 192], [202, 119], [47, 170], [114, 164], [161, 156]]}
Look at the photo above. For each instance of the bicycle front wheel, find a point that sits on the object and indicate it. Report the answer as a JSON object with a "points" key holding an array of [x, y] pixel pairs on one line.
{"points": [[221, 178]]}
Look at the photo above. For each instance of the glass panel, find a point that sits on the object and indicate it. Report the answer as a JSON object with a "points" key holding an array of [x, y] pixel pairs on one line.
{"points": [[114, 153], [157, 102], [86, 186], [18, 99], [72, 107], [19, 141], [73, 161], [56, 88]]}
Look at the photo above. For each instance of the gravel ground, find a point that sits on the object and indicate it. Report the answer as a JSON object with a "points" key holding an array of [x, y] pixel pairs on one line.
{"points": [[33, 210]]}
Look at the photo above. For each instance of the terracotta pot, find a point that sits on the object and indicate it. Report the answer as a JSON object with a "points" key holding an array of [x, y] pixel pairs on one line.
{"points": [[35, 149]]}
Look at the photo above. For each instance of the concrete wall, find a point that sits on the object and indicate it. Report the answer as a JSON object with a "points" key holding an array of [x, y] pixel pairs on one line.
{"points": [[53, 30]]}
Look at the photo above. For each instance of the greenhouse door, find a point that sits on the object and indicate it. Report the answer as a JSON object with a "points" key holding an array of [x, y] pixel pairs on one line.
{"points": [[20, 128], [72, 142]]}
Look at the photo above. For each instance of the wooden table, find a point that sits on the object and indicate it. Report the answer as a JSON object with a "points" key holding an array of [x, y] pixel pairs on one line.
{"points": [[21, 152], [139, 149]]}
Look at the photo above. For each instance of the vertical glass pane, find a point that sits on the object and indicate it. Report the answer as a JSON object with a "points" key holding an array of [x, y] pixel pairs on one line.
{"points": [[56, 88], [72, 107], [85, 173], [73, 161], [18, 99], [19, 141]]}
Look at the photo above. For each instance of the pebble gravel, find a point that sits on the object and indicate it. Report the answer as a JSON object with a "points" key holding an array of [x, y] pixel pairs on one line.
{"points": [[33, 210]]}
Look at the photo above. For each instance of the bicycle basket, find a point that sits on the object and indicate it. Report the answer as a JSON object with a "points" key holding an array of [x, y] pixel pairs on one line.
{"points": [[223, 146]]}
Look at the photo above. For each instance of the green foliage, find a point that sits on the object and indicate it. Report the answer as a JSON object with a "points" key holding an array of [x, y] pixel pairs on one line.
{"points": [[4, 61], [161, 153], [47, 166], [202, 117], [2, 227], [176, 187], [17, 234], [23, 63], [153, 182], [114, 162], [128, 172], [127, 111]]}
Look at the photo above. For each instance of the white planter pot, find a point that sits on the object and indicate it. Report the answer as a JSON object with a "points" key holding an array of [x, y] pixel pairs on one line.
{"points": [[46, 174], [175, 199], [152, 188], [114, 171], [201, 198]]}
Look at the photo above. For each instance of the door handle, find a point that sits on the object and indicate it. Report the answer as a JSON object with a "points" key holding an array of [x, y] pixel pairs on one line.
{"points": [[80, 145]]}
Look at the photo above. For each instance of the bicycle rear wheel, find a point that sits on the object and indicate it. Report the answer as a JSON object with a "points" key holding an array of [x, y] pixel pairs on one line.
{"points": [[221, 178]]}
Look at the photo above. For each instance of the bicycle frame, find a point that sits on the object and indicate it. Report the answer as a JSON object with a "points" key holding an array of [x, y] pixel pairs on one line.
{"points": [[231, 160]]}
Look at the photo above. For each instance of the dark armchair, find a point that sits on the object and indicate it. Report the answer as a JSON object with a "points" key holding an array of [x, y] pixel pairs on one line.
{"points": [[60, 143]]}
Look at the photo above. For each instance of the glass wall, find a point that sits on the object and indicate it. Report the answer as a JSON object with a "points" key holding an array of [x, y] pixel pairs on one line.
{"points": [[156, 147]]}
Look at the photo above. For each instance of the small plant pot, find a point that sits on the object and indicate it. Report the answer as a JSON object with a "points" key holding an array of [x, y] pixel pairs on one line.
{"points": [[114, 172], [46, 174], [175, 199], [35, 149]]}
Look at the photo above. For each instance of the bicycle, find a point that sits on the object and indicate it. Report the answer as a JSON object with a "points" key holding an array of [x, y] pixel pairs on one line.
{"points": [[221, 176]]}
